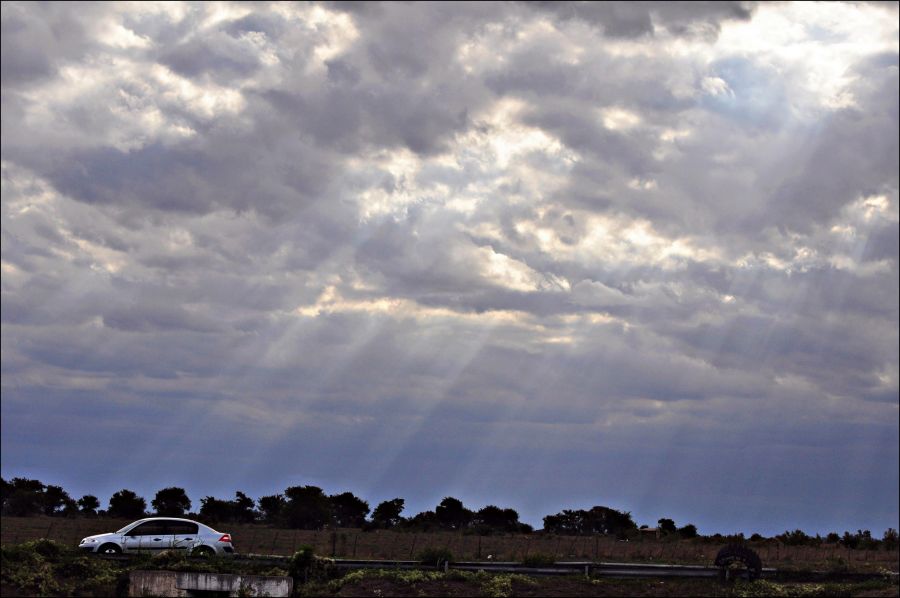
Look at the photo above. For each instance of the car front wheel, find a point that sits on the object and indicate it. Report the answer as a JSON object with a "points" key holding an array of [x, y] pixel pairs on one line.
{"points": [[109, 549]]}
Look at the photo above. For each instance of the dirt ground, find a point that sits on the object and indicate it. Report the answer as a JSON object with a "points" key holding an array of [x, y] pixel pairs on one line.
{"points": [[575, 587], [540, 587]]}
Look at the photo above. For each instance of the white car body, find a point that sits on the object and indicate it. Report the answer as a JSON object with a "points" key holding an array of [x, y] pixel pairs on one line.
{"points": [[155, 534]]}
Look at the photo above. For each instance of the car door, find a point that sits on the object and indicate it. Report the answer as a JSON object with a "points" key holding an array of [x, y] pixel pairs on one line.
{"points": [[150, 536], [184, 534], [131, 540], [156, 538]]}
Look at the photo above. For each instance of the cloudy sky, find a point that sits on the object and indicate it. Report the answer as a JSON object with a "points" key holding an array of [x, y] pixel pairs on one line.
{"points": [[544, 256]]}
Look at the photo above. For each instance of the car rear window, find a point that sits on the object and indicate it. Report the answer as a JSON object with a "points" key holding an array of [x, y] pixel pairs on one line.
{"points": [[181, 528]]}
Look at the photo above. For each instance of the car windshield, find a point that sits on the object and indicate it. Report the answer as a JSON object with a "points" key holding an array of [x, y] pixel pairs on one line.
{"points": [[122, 531]]}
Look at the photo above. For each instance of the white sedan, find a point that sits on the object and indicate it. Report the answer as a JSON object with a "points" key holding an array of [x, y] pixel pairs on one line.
{"points": [[156, 534]]}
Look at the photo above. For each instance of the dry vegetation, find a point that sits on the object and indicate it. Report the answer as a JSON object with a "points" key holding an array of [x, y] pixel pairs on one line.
{"points": [[353, 543], [47, 568]]}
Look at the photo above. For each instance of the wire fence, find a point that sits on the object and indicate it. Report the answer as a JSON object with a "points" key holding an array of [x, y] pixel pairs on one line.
{"points": [[383, 544]]}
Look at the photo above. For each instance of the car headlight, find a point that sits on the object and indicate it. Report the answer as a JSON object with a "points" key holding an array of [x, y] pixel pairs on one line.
{"points": [[88, 541]]}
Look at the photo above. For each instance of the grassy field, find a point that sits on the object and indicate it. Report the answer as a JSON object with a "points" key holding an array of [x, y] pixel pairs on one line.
{"points": [[352, 543], [417, 583], [45, 568]]}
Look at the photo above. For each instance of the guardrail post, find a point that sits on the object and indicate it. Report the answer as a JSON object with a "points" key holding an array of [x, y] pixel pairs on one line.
{"points": [[446, 566]]}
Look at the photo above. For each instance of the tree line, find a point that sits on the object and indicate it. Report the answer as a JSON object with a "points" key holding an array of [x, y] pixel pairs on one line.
{"points": [[309, 507]]}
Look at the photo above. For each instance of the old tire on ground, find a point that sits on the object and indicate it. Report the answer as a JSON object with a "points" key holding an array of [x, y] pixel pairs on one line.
{"points": [[109, 549], [203, 552], [737, 557]]}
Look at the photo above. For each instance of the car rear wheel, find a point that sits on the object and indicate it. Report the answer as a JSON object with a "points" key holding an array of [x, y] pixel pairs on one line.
{"points": [[203, 552], [110, 549]]}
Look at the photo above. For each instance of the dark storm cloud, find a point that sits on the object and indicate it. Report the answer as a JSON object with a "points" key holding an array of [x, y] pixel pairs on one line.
{"points": [[636, 19], [38, 39], [220, 55], [413, 95], [506, 239]]}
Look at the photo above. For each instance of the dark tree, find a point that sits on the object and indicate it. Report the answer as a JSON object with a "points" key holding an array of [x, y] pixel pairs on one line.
{"points": [[57, 501], [451, 514], [666, 525], [795, 538], [890, 538], [239, 510], [307, 508], [494, 519], [171, 502], [6, 490], [688, 531], [27, 485], [387, 514], [862, 539], [215, 510], [424, 521], [271, 508], [242, 509], [604, 520], [89, 505], [125, 504], [348, 510], [26, 497], [850, 540], [599, 520], [565, 522]]}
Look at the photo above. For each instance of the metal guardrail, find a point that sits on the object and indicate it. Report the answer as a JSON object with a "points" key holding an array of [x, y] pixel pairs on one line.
{"points": [[586, 568]]}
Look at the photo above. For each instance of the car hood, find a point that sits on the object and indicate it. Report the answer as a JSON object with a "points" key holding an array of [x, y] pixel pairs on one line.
{"points": [[106, 536]]}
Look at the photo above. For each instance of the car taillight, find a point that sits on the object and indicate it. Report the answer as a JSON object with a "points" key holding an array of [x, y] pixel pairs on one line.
{"points": [[225, 538]]}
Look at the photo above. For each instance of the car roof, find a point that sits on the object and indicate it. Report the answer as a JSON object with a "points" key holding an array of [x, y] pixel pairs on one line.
{"points": [[172, 519]]}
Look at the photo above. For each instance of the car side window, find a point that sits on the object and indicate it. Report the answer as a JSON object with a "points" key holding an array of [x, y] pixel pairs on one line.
{"points": [[181, 528], [150, 528]]}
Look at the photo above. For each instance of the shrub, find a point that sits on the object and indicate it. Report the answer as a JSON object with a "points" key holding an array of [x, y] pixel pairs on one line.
{"points": [[538, 560], [305, 566], [168, 559], [301, 562], [24, 567], [799, 538], [890, 539], [836, 565], [90, 574], [49, 549], [500, 586], [435, 556]]}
